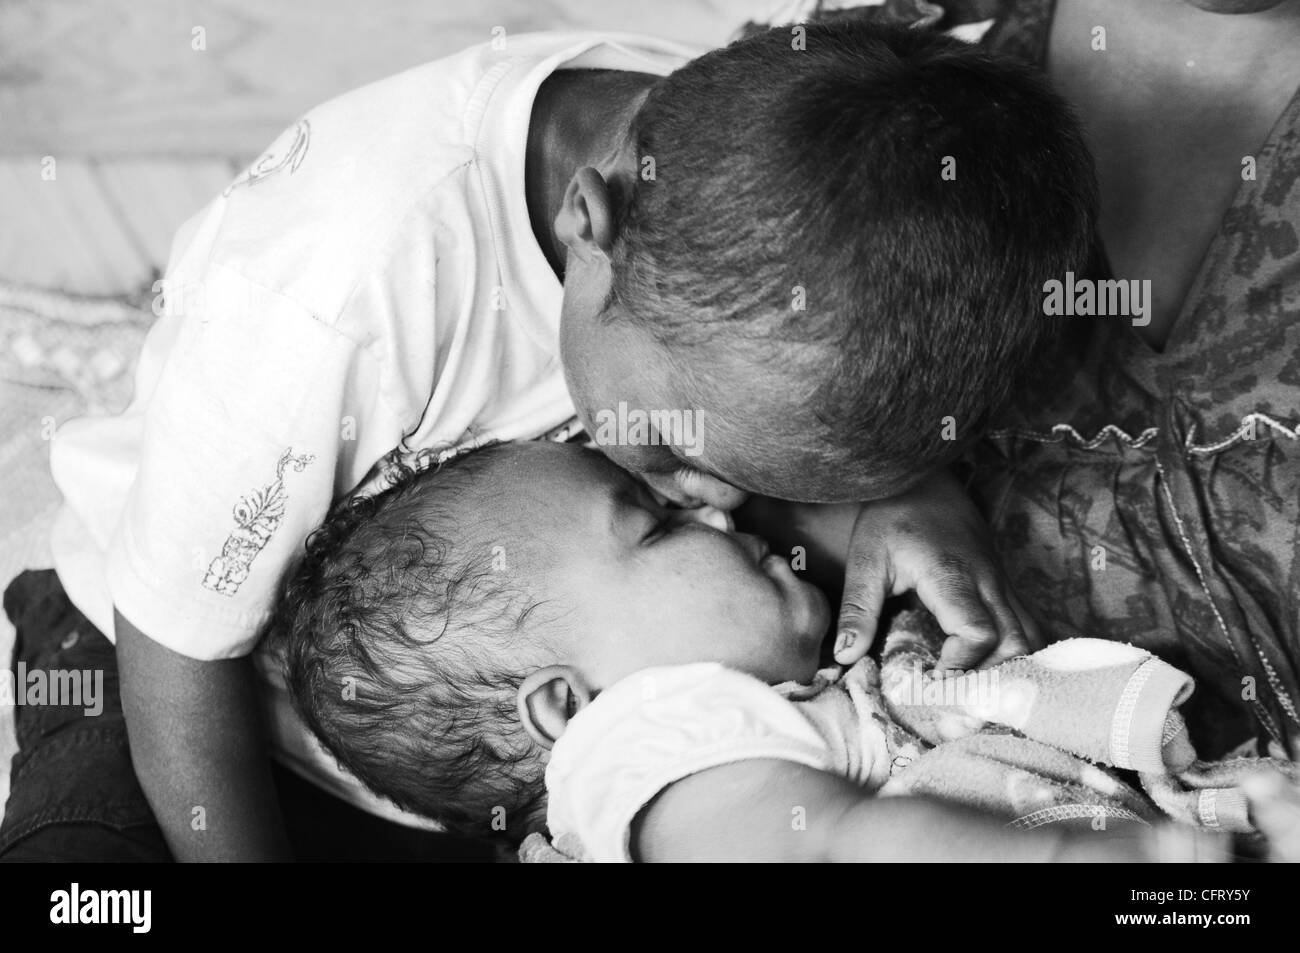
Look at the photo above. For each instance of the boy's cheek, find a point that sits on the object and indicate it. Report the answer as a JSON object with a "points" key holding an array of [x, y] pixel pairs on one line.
{"points": [[638, 460]]}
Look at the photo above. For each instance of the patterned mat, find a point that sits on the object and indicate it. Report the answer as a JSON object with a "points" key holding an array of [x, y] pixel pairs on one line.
{"points": [[60, 357]]}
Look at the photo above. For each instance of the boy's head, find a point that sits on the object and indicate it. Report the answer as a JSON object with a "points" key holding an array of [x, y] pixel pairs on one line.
{"points": [[826, 249], [438, 636]]}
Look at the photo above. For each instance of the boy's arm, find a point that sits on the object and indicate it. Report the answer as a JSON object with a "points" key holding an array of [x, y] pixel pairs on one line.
{"points": [[198, 750], [779, 811]]}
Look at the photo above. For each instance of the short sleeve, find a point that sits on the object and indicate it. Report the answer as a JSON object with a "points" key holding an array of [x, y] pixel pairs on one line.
{"points": [[657, 727], [253, 410]]}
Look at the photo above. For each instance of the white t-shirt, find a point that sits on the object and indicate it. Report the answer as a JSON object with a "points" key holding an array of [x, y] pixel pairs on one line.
{"points": [[371, 282]]}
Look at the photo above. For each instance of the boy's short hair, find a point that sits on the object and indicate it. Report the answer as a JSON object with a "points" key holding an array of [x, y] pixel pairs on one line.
{"points": [[915, 191], [393, 630]]}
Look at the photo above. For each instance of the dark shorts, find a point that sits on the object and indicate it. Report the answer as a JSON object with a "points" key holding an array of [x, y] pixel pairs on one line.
{"points": [[73, 795]]}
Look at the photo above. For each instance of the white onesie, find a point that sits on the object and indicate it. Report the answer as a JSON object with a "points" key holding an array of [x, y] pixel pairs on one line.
{"points": [[664, 724]]}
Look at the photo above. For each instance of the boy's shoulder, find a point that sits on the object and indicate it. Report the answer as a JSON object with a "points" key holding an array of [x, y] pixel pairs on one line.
{"points": [[350, 173], [383, 169]]}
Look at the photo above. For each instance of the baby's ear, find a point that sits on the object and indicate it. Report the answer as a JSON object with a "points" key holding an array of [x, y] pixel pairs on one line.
{"points": [[548, 698]]}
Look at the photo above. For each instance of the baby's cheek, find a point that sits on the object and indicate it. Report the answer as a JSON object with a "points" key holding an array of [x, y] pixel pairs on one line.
{"points": [[746, 598], [676, 632]]}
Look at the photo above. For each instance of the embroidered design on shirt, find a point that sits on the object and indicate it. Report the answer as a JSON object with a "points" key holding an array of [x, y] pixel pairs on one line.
{"points": [[257, 517], [277, 158]]}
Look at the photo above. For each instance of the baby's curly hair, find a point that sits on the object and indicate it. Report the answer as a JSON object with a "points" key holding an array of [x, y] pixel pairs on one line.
{"points": [[395, 630]]}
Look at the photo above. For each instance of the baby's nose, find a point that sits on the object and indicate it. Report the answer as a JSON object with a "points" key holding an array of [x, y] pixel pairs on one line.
{"points": [[708, 515]]}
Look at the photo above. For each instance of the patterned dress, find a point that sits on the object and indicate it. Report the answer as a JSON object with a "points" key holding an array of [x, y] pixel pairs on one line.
{"points": [[1154, 498]]}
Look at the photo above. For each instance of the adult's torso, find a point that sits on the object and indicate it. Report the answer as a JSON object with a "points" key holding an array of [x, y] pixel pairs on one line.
{"points": [[1154, 496]]}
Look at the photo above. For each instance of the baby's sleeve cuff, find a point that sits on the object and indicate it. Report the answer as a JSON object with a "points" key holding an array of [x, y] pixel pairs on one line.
{"points": [[1138, 725]]}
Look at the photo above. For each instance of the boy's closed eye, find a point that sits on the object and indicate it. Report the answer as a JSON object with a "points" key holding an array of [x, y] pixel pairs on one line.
{"points": [[661, 519], [682, 483]]}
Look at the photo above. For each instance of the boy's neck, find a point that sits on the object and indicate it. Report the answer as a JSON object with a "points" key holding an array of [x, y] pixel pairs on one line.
{"points": [[579, 118]]}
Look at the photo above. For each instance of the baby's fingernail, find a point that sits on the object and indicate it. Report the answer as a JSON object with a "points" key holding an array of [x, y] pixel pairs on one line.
{"points": [[845, 640]]}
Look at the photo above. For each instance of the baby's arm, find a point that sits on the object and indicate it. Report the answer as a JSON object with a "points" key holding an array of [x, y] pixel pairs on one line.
{"points": [[780, 811], [197, 748]]}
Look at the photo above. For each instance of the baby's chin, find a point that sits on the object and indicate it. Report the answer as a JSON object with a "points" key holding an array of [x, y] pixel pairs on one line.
{"points": [[812, 622]]}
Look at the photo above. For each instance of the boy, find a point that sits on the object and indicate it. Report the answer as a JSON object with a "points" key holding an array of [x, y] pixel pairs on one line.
{"points": [[772, 235]]}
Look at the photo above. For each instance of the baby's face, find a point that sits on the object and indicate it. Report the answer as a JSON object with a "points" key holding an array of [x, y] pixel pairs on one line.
{"points": [[630, 583]]}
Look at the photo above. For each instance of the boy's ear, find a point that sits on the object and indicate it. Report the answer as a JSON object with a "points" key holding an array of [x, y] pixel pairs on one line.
{"points": [[586, 222], [548, 698]]}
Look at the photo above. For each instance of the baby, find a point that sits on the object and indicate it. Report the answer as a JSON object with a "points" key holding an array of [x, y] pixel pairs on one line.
{"points": [[530, 619]]}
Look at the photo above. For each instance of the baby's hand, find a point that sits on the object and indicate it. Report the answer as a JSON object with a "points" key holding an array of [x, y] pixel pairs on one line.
{"points": [[1275, 810], [934, 541]]}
